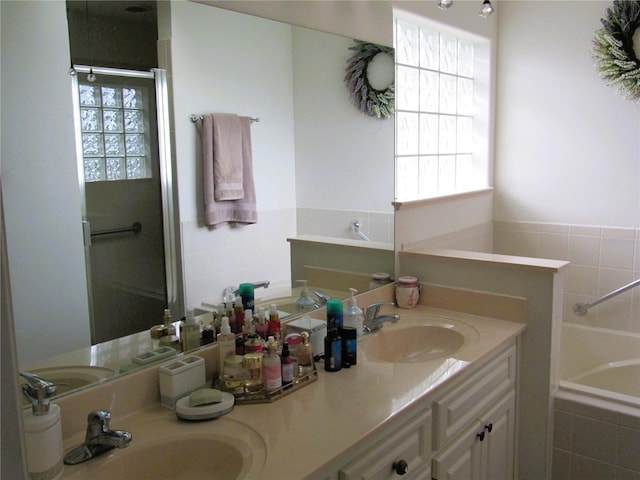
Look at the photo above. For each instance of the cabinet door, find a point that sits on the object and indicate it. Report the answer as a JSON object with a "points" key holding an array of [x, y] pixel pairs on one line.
{"points": [[498, 449], [484, 450], [462, 458], [409, 442]]}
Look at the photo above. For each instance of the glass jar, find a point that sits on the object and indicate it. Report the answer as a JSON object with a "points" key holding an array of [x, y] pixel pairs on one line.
{"points": [[252, 362], [234, 375], [407, 292]]}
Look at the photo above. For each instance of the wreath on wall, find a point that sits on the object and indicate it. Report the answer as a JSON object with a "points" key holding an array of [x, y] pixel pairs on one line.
{"points": [[377, 103], [613, 51]]}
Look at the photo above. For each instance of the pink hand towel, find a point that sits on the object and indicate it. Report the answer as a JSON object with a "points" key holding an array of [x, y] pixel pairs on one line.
{"points": [[225, 150], [243, 210]]}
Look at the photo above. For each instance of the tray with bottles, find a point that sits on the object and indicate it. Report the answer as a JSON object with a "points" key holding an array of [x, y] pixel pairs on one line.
{"points": [[252, 396]]}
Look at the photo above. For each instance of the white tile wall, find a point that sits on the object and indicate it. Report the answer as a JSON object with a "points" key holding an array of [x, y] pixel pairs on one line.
{"points": [[602, 260], [229, 256], [594, 443], [337, 223]]}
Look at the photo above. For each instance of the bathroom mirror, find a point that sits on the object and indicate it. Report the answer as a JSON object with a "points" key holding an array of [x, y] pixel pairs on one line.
{"points": [[320, 187]]}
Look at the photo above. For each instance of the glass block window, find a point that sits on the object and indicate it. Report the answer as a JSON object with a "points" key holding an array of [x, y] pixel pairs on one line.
{"points": [[434, 114], [115, 141]]}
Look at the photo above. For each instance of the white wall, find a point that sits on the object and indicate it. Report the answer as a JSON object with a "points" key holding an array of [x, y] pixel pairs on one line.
{"points": [[225, 62], [344, 159], [40, 182], [567, 146]]}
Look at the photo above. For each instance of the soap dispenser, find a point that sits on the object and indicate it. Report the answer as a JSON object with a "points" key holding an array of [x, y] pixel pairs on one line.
{"points": [[304, 302], [353, 315], [42, 429]]}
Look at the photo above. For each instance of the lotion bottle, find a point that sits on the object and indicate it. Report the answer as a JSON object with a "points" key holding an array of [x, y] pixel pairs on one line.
{"points": [[353, 315], [272, 368], [287, 366], [42, 429], [226, 345], [305, 355], [262, 327], [275, 328]]}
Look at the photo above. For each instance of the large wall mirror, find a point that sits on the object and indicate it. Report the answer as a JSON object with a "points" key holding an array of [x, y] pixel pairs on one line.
{"points": [[318, 162]]}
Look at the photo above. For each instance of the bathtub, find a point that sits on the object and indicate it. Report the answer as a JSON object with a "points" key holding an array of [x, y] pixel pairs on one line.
{"points": [[600, 367]]}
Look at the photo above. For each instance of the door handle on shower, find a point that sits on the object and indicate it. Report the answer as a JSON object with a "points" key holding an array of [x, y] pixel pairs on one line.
{"points": [[86, 232]]}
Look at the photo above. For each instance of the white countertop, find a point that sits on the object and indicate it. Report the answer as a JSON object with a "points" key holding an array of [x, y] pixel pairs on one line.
{"points": [[305, 431]]}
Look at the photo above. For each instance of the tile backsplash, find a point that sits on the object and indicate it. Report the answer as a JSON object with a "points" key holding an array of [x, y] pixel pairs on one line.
{"points": [[602, 260]]}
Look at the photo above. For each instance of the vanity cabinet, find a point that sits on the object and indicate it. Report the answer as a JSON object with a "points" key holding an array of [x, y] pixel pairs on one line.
{"points": [[405, 451], [484, 450], [474, 424], [466, 431]]}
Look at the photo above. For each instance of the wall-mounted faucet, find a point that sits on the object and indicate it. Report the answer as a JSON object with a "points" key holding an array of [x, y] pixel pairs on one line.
{"points": [[373, 320], [99, 439]]}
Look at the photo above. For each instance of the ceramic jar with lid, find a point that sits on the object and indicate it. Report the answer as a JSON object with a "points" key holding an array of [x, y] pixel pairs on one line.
{"points": [[407, 291]]}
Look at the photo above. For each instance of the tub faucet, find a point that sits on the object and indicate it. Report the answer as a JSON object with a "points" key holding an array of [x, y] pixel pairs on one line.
{"points": [[374, 321], [99, 439]]}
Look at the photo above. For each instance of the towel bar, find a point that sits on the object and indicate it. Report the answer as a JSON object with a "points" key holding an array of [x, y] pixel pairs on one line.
{"points": [[194, 118], [135, 228]]}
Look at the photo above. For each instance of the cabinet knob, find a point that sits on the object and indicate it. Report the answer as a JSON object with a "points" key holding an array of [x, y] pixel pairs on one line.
{"points": [[401, 467], [480, 436], [489, 427]]}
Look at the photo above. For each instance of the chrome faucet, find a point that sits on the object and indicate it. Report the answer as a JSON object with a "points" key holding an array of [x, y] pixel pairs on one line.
{"points": [[99, 439], [374, 321], [322, 297]]}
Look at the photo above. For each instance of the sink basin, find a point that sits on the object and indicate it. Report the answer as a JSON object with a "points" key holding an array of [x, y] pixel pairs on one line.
{"points": [[189, 458], [415, 342], [171, 449], [69, 378]]}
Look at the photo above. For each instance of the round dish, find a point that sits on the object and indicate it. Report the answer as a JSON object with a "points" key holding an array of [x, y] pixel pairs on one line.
{"points": [[204, 412]]}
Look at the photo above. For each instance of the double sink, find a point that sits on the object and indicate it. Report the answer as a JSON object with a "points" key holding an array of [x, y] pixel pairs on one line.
{"points": [[164, 447]]}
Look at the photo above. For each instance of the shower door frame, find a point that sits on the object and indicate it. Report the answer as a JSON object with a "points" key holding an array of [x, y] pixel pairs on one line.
{"points": [[171, 257]]}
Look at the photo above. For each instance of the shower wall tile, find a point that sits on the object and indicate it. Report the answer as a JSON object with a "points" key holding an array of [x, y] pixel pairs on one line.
{"points": [[603, 258]]}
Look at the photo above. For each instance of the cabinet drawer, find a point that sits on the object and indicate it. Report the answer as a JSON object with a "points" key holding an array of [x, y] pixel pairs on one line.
{"points": [[459, 407], [411, 442]]}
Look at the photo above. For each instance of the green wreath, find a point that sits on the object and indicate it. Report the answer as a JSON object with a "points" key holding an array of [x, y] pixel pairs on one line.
{"points": [[377, 103], [613, 51]]}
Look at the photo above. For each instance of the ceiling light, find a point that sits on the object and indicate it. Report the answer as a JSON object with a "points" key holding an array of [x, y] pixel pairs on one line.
{"points": [[444, 4], [486, 10]]}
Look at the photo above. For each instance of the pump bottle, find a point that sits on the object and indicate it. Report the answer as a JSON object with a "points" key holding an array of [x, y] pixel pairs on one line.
{"points": [[304, 302], [353, 315], [43, 429]]}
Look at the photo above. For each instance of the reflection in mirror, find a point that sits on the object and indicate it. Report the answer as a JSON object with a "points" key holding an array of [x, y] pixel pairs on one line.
{"points": [[319, 163]]}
